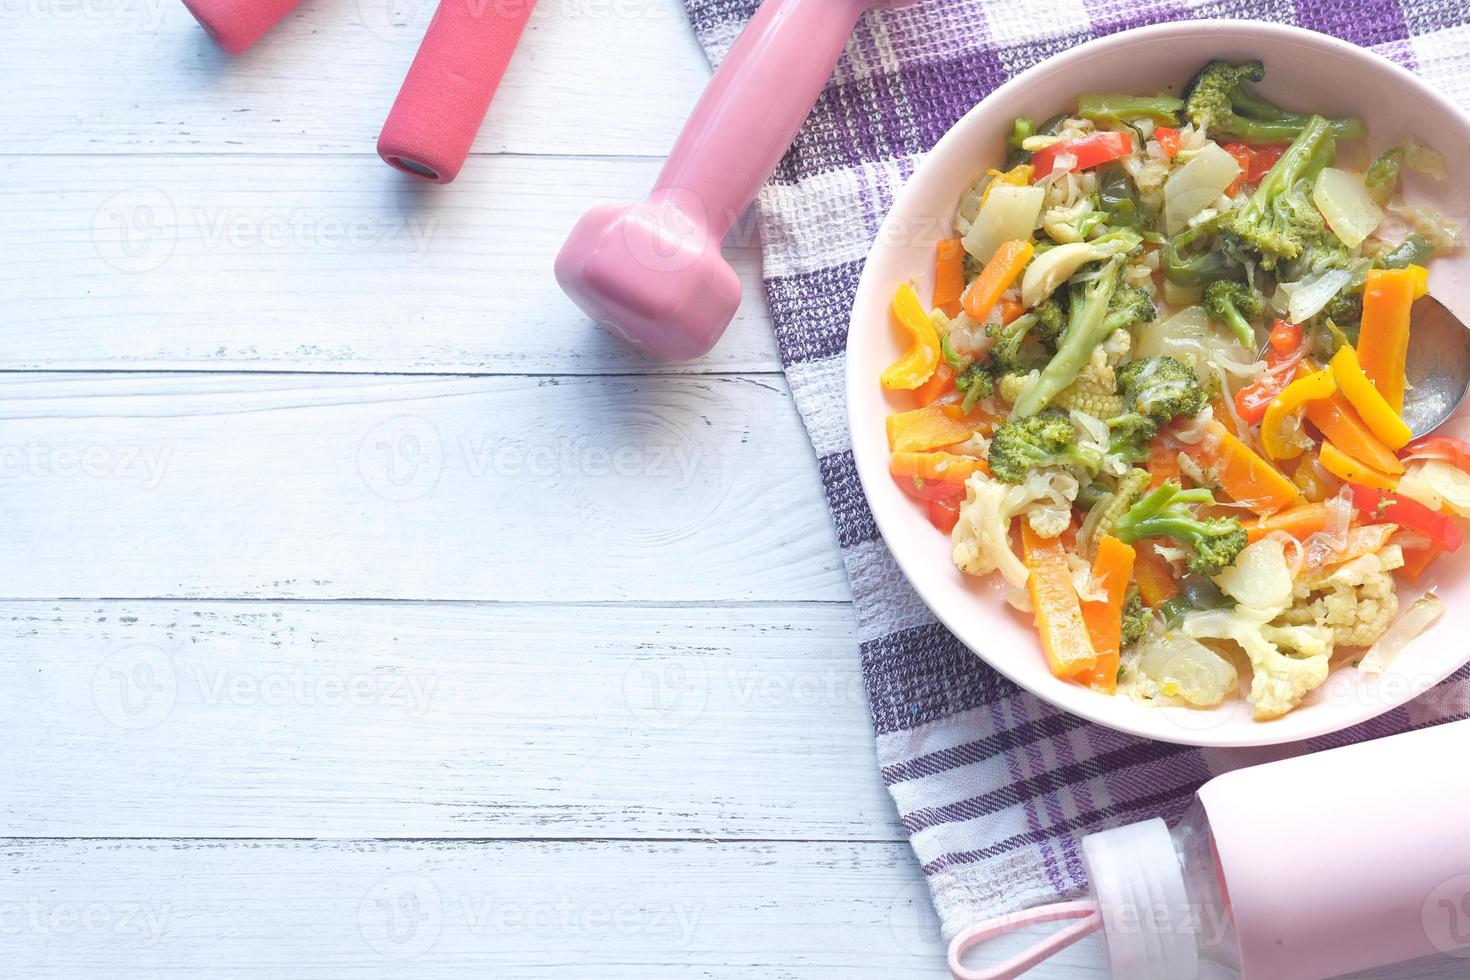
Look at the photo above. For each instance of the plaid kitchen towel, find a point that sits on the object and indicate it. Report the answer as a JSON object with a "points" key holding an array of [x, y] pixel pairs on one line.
{"points": [[994, 787]]}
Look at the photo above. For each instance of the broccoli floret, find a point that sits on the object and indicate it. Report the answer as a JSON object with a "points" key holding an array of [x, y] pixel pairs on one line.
{"points": [[1163, 388], [1279, 220], [1136, 618], [1105, 107], [1024, 444], [1220, 99], [1016, 348], [976, 382], [1188, 266], [1167, 512], [1094, 310], [1345, 307], [1235, 304], [1051, 318], [1129, 436]]}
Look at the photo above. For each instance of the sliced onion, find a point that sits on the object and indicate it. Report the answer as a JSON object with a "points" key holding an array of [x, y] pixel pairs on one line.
{"points": [[1423, 159], [1195, 186], [1414, 621], [1306, 299], [1450, 483], [1009, 213], [1189, 336], [1295, 552], [1344, 201], [1325, 545]]}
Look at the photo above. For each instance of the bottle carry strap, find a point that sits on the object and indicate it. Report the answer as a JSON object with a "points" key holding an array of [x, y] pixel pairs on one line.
{"points": [[1085, 911]]}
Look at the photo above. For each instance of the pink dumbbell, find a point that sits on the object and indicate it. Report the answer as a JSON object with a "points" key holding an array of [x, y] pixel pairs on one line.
{"points": [[652, 273], [455, 74], [237, 24]]}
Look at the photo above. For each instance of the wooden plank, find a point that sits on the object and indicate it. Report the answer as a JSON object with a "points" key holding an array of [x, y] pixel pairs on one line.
{"points": [[332, 486], [590, 77], [318, 264], [266, 719]]}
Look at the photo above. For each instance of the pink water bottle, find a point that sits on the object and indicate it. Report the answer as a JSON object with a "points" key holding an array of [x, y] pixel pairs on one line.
{"points": [[1301, 869]]}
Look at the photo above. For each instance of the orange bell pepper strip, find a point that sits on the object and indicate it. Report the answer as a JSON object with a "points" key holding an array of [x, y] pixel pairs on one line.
{"points": [[1350, 470], [949, 275], [1377, 414], [999, 273], [928, 428], [919, 363], [1336, 419], [1242, 473], [1154, 575], [1383, 339], [938, 385], [1293, 399], [1054, 602], [1112, 570], [937, 467], [1299, 522]]}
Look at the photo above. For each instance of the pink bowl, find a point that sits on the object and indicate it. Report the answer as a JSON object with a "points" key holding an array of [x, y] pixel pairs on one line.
{"points": [[1305, 70]]}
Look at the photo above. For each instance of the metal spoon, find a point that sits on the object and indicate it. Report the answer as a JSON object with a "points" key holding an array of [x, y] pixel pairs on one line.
{"points": [[1438, 368]]}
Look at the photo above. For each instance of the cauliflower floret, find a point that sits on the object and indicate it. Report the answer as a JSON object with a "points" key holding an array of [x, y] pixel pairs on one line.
{"points": [[1356, 601], [1260, 583], [968, 337], [1096, 389], [981, 538]]}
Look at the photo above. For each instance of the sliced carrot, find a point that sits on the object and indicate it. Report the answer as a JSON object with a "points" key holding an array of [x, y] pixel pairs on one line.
{"points": [[949, 275], [1416, 560], [1163, 464], [1242, 472], [1058, 611], [1350, 470], [1299, 522], [1154, 575], [1383, 339], [940, 383], [1219, 409], [1338, 421], [937, 467], [1112, 569], [1010, 310], [999, 273], [928, 428], [978, 418]]}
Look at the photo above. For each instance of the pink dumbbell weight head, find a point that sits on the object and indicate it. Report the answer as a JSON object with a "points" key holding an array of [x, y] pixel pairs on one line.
{"points": [[450, 84], [652, 273], [237, 24]]}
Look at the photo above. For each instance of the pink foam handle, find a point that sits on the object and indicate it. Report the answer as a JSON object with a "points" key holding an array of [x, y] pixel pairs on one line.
{"points": [[237, 24], [433, 123]]}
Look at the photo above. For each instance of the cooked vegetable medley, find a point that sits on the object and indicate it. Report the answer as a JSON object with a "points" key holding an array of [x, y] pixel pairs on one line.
{"points": [[1159, 391]]}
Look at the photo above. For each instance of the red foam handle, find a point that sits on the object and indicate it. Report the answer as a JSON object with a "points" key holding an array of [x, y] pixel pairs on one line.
{"points": [[237, 24], [450, 84]]}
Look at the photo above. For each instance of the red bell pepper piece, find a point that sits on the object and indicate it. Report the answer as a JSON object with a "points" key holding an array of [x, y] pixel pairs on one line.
{"points": [[1286, 338], [1090, 151], [945, 514], [1263, 158], [1446, 449], [1384, 507], [1169, 140]]}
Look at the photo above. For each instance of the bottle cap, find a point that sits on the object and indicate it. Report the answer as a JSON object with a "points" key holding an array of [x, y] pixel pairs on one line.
{"points": [[1149, 928]]}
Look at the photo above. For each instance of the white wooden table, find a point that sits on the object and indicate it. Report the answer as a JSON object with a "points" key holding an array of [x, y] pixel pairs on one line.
{"points": [[367, 612]]}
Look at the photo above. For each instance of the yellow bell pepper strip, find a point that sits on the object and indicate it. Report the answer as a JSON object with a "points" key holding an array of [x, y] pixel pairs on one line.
{"points": [[929, 428], [1017, 176], [1112, 569], [1293, 399], [1350, 470], [1383, 339], [1377, 414], [1242, 473], [916, 366], [1315, 483], [949, 275], [1335, 419], [1058, 611], [999, 273]]}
